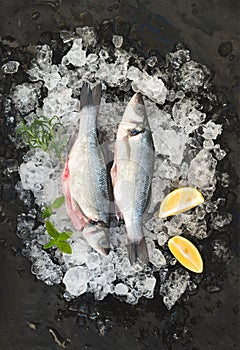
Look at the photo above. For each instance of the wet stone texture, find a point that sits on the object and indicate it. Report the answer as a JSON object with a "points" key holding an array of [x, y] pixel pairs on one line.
{"points": [[35, 315]]}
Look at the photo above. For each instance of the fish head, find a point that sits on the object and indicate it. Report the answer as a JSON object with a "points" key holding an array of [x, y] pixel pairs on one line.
{"points": [[97, 236], [134, 119]]}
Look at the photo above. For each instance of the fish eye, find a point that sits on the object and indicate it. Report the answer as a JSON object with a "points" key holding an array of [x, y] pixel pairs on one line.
{"points": [[103, 243], [135, 132], [94, 222]]}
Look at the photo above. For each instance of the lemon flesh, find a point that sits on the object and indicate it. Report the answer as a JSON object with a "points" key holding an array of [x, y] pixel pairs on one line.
{"points": [[186, 253], [180, 200]]}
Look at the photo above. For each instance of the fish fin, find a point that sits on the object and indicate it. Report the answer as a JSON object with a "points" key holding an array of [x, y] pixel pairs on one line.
{"points": [[90, 97], [137, 251], [113, 173], [73, 212], [119, 214], [73, 139], [77, 208], [96, 95]]}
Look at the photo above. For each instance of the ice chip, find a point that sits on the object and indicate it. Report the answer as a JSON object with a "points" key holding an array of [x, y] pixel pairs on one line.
{"points": [[174, 286], [177, 58], [152, 61], [121, 289], [76, 280], [191, 76], [117, 41], [187, 116], [219, 153], [202, 170], [150, 86], [157, 258], [25, 97], [211, 130], [76, 55], [170, 143], [162, 238], [92, 261], [88, 35], [10, 67], [66, 36]]}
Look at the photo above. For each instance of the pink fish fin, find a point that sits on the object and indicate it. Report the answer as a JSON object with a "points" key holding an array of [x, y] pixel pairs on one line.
{"points": [[113, 173], [78, 211], [75, 215], [118, 212], [137, 251]]}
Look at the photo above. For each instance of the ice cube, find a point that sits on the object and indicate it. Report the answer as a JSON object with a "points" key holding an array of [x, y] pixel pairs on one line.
{"points": [[187, 116], [47, 271], [76, 55], [10, 67], [157, 258], [117, 41], [52, 78], [162, 238], [146, 286], [208, 144], [25, 96], [225, 179], [76, 280], [211, 130], [66, 36], [202, 170], [219, 153], [177, 58], [174, 286], [150, 86], [92, 261], [170, 143], [221, 250], [152, 61], [121, 289], [88, 35], [80, 254], [191, 76]]}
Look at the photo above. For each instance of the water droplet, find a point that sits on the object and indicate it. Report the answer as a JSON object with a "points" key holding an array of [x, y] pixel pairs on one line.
{"points": [[225, 49], [35, 15]]}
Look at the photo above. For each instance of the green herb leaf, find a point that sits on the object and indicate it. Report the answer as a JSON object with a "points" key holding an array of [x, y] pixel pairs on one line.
{"points": [[49, 244], [41, 132], [64, 247], [47, 213], [51, 230], [64, 236], [58, 202]]}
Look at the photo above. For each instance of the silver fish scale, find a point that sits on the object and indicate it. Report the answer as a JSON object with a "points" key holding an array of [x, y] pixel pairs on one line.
{"points": [[89, 184], [99, 177], [144, 175]]}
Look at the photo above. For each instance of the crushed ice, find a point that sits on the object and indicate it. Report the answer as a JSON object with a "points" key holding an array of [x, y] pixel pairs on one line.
{"points": [[187, 153]]}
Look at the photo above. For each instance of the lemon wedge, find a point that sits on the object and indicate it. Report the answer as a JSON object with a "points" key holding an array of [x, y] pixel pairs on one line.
{"points": [[180, 200], [186, 253]]}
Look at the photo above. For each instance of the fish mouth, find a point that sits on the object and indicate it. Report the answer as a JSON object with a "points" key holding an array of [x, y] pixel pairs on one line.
{"points": [[103, 251], [138, 105], [138, 99], [97, 237]]}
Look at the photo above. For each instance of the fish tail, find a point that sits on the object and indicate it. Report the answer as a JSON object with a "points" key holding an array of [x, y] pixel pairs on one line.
{"points": [[90, 97], [137, 251]]}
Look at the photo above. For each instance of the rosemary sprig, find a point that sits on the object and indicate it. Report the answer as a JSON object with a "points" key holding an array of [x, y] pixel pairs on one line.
{"points": [[41, 133]]}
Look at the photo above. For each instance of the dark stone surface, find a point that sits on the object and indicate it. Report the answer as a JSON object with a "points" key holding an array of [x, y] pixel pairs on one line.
{"points": [[30, 310]]}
